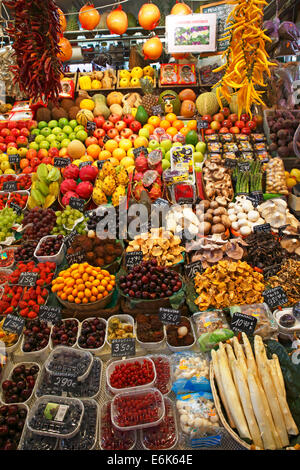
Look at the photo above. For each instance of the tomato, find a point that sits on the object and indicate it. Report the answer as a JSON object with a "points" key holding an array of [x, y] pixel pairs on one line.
{"points": [[239, 124], [245, 117], [246, 130], [224, 130], [251, 125], [234, 130]]}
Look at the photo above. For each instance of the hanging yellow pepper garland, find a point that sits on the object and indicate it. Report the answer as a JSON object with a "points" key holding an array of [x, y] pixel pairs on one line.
{"points": [[247, 59]]}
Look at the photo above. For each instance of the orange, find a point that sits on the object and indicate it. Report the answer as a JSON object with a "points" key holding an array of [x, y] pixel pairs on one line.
{"points": [[80, 285], [94, 273], [88, 284], [55, 288], [111, 145], [77, 301], [94, 291], [154, 121], [74, 292], [171, 117], [85, 300], [140, 142], [93, 298], [150, 128], [87, 293], [85, 277], [105, 293], [93, 150], [172, 131], [63, 296], [165, 124], [91, 278], [24, 163], [89, 270], [178, 124], [70, 298], [192, 125], [96, 282], [185, 130], [104, 282], [100, 289], [68, 290], [80, 295], [119, 153], [104, 155], [109, 287], [99, 296], [125, 144]]}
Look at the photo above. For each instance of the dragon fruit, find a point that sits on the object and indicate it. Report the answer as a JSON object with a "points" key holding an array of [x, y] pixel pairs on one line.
{"points": [[88, 173], [71, 172], [138, 189], [154, 158], [149, 177], [68, 185], [141, 164], [84, 189], [159, 168], [67, 197], [155, 191], [138, 176]]}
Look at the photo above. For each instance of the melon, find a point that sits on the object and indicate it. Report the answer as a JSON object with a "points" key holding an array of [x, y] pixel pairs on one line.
{"points": [[76, 149], [84, 116], [170, 98], [207, 103]]}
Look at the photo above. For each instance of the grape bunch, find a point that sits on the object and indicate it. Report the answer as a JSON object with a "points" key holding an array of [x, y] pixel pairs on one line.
{"points": [[8, 217], [40, 223], [66, 219]]}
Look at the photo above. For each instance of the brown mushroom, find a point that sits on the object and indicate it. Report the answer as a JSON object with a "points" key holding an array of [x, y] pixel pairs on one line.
{"points": [[219, 211], [216, 220], [218, 228]]}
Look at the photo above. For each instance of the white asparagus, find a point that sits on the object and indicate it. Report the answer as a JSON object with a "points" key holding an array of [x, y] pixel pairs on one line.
{"points": [[239, 352], [244, 394], [279, 373], [288, 418], [220, 387], [249, 354], [231, 357], [262, 360], [259, 411], [232, 397]]}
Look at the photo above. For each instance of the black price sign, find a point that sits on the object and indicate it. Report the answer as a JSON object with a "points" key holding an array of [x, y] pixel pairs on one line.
{"points": [[14, 324], [50, 314], [91, 127], [123, 347], [262, 228], [10, 186], [202, 125], [169, 316], [81, 165], [14, 159], [244, 166], [65, 383], [28, 279], [16, 208], [133, 258], [157, 110], [275, 297], [60, 162], [75, 257], [100, 164], [243, 322], [76, 203], [192, 269], [140, 151], [256, 197], [161, 202], [230, 162], [31, 138], [281, 230], [69, 238], [185, 200]]}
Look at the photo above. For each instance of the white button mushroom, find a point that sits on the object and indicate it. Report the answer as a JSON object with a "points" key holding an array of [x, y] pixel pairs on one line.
{"points": [[245, 230], [253, 216], [232, 217], [242, 222]]}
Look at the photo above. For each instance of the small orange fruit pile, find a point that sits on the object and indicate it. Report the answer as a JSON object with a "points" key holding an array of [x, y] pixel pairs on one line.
{"points": [[83, 283]]}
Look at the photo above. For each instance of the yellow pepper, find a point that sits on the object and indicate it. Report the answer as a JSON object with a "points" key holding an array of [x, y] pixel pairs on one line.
{"points": [[85, 83]]}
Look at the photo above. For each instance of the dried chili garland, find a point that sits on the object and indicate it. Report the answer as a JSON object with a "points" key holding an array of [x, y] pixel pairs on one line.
{"points": [[35, 34]]}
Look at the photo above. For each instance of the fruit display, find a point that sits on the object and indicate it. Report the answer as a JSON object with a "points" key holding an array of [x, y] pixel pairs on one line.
{"points": [[217, 180], [20, 384], [7, 258], [97, 80], [38, 223], [85, 439], [111, 185], [32, 299], [8, 219], [164, 436], [181, 334], [49, 246], [243, 215], [131, 374], [10, 299], [276, 182], [9, 339], [64, 333], [119, 329], [44, 272], [131, 78], [36, 336], [12, 423], [163, 373], [68, 220], [92, 334], [45, 186], [149, 329], [283, 124], [149, 281], [112, 438], [93, 284], [98, 252]]}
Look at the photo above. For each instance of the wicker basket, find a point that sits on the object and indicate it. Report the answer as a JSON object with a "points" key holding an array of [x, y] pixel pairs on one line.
{"points": [[87, 308], [219, 409], [144, 307]]}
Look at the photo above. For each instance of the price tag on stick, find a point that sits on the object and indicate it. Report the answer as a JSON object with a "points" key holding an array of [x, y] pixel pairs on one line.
{"points": [[61, 162], [275, 297], [51, 314], [123, 347], [10, 186], [133, 258], [76, 203], [14, 324], [14, 159], [243, 322], [28, 279], [169, 316], [192, 269], [70, 238]]}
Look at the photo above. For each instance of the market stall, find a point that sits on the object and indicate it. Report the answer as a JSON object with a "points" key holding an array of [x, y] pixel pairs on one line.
{"points": [[149, 227]]}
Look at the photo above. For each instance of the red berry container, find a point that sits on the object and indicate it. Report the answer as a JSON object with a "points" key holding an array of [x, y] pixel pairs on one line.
{"points": [[163, 372], [137, 409], [165, 435], [137, 360], [112, 438]]}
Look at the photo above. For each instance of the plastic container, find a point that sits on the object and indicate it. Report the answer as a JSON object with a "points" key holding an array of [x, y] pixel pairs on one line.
{"points": [[58, 258], [110, 369], [23, 407], [288, 330], [95, 351], [124, 318], [163, 369], [166, 431], [182, 348], [111, 438], [49, 384], [22, 193], [9, 266], [60, 358], [32, 441], [39, 355], [151, 345], [38, 423], [88, 431], [52, 346], [125, 404], [266, 326], [8, 376], [12, 348]]}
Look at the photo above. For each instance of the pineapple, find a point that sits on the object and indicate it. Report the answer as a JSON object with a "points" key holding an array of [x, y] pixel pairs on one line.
{"points": [[99, 196], [107, 169], [149, 100], [122, 176], [109, 185], [119, 192]]}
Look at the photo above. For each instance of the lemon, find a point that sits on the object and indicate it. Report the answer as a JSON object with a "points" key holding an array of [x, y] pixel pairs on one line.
{"points": [[124, 83], [137, 72], [296, 174], [127, 162], [4, 166], [135, 82]]}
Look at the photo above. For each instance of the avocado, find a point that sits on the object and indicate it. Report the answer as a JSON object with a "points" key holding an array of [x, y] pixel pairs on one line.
{"points": [[170, 97], [141, 115]]}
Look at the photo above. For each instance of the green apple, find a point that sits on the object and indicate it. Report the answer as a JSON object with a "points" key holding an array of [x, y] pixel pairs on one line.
{"points": [[73, 123], [56, 130], [165, 164], [51, 138], [72, 136], [166, 144], [63, 122], [45, 145], [78, 128], [53, 124], [82, 135], [144, 133], [42, 124], [46, 131], [168, 156], [67, 130], [198, 157], [153, 144], [65, 142], [34, 145], [55, 144], [201, 147], [39, 139], [35, 132], [61, 136]]}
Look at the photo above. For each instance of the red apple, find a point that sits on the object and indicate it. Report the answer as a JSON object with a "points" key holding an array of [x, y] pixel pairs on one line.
{"points": [[42, 153], [108, 125], [91, 141], [120, 125], [25, 131], [234, 130], [3, 124], [15, 132], [99, 120], [224, 130], [2, 139], [246, 130], [32, 125], [128, 118], [135, 126], [251, 125], [2, 147], [10, 138], [99, 133], [227, 123], [133, 137], [218, 117], [112, 133], [215, 125], [239, 124], [244, 117], [11, 125], [225, 111], [53, 152], [233, 117], [22, 141], [114, 118], [209, 131], [207, 118], [126, 133], [5, 132], [12, 144]]}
